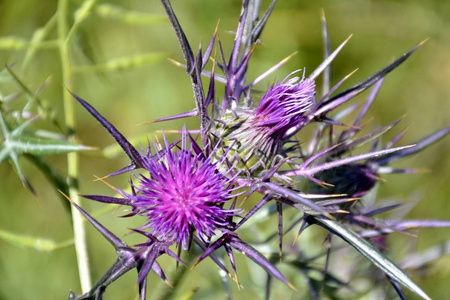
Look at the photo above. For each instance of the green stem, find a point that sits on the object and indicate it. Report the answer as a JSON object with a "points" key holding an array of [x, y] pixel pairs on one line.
{"points": [[72, 158]]}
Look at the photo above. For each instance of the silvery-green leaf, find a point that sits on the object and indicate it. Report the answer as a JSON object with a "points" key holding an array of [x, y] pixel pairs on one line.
{"points": [[372, 254], [39, 146]]}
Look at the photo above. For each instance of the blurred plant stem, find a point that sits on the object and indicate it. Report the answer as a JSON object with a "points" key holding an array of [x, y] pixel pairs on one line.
{"points": [[72, 158]]}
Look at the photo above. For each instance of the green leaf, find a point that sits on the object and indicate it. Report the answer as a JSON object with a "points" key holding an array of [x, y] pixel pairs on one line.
{"points": [[131, 17], [38, 146], [36, 243], [123, 63], [372, 254]]}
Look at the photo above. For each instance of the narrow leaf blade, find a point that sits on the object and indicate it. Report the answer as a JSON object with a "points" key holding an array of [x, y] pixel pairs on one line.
{"points": [[37, 146], [372, 254]]}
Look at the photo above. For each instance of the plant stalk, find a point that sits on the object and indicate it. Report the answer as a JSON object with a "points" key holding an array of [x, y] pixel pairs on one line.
{"points": [[72, 158]]}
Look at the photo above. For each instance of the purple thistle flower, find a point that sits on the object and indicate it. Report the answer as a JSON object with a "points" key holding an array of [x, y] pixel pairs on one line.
{"points": [[183, 192], [258, 135], [283, 107]]}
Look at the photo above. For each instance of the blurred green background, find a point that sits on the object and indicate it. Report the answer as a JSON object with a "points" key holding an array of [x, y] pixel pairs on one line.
{"points": [[382, 31]]}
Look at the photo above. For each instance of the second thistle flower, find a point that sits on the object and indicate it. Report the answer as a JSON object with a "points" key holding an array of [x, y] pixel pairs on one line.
{"points": [[256, 136]]}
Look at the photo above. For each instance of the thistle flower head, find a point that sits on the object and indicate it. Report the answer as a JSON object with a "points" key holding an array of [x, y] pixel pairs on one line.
{"points": [[258, 135], [183, 192], [284, 105]]}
